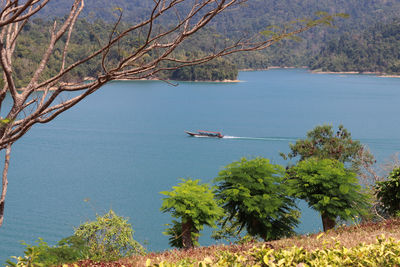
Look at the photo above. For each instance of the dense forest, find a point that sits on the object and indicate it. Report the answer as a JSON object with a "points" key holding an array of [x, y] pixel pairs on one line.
{"points": [[373, 50], [254, 16], [89, 36], [353, 45]]}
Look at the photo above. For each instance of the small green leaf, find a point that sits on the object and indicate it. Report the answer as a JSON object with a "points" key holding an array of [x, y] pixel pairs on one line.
{"points": [[344, 189]]}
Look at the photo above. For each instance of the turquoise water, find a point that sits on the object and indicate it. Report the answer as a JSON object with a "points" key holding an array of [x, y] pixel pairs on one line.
{"points": [[126, 143]]}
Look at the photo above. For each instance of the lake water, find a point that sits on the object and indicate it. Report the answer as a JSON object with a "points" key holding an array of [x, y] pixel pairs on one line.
{"points": [[126, 143]]}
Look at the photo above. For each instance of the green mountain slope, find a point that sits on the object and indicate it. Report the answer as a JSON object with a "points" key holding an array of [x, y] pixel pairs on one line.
{"points": [[374, 50], [253, 17]]}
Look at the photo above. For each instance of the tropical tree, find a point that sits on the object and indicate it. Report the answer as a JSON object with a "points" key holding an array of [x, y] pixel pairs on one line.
{"points": [[323, 142], [388, 193], [255, 197], [329, 188], [195, 205], [43, 97]]}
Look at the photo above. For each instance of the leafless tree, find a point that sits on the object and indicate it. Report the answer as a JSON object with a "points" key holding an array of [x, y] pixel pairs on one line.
{"points": [[372, 173], [42, 99]]}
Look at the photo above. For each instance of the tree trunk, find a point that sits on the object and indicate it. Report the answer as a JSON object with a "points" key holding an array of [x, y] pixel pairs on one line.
{"points": [[327, 222], [4, 184], [187, 228]]}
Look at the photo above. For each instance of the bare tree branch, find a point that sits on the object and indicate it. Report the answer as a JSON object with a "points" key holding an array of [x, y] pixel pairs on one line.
{"points": [[7, 18], [4, 183]]}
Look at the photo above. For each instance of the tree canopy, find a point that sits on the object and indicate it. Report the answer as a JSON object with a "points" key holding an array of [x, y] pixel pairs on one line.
{"points": [[195, 205], [255, 197], [253, 17], [373, 50], [329, 188], [324, 143], [88, 35]]}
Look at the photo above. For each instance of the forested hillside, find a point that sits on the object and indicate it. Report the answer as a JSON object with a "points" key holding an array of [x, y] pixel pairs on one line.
{"points": [[354, 44], [254, 16], [374, 50], [88, 37]]}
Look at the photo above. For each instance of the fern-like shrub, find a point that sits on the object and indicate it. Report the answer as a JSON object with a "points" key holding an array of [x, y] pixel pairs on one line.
{"points": [[388, 193]]}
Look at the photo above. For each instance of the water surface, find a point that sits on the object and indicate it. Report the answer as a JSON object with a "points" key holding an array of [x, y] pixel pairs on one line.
{"points": [[126, 143]]}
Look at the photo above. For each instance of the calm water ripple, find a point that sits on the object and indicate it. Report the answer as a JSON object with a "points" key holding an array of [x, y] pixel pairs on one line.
{"points": [[125, 144]]}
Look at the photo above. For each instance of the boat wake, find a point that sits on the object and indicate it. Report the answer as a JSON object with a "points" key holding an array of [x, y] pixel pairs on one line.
{"points": [[283, 139]]}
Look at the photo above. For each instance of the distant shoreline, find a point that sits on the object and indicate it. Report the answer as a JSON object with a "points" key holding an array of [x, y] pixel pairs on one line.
{"points": [[211, 81], [88, 79], [206, 81], [273, 67], [378, 74]]}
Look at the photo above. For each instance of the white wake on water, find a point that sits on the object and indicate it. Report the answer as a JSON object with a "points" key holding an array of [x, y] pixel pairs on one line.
{"points": [[260, 138], [230, 137]]}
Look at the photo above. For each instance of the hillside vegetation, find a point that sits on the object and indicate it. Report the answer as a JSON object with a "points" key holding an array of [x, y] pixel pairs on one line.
{"points": [[372, 244], [253, 17], [373, 50], [88, 37], [354, 45]]}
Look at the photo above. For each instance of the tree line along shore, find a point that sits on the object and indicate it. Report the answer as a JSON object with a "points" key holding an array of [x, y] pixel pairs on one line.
{"points": [[373, 51]]}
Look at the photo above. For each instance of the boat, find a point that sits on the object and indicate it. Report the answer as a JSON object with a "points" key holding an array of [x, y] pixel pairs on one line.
{"points": [[205, 134]]}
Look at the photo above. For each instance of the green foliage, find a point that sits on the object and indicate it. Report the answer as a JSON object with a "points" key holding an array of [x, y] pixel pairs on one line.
{"points": [[88, 36], [323, 18], [388, 193], [372, 50], [4, 122], [359, 53], [322, 142], [215, 70], [253, 17], [385, 252], [231, 231], [30, 258], [68, 250], [328, 187], [194, 204], [109, 237], [175, 235], [254, 196]]}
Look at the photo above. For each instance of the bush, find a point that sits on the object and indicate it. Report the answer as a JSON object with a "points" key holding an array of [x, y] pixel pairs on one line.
{"points": [[68, 250], [388, 193], [108, 238]]}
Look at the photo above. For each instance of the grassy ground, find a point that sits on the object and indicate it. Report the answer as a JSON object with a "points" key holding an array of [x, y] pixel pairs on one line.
{"points": [[347, 236]]}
